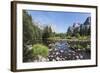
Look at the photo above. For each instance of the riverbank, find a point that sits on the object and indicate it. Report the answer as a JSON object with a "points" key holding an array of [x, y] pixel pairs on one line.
{"points": [[63, 50]]}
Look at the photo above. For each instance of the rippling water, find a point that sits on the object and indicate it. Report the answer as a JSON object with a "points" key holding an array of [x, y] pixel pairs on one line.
{"points": [[60, 51]]}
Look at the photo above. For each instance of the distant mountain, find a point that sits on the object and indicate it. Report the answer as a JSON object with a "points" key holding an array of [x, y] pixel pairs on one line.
{"points": [[75, 25], [78, 28], [88, 21]]}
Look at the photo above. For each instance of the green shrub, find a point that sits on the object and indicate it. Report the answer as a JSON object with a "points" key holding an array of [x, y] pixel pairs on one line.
{"points": [[68, 37], [80, 46], [40, 49]]}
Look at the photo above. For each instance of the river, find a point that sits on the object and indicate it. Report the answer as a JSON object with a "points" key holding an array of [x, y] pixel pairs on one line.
{"points": [[59, 51]]}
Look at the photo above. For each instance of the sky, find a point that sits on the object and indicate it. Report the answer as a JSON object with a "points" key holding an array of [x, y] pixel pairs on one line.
{"points": [[59, 21]]}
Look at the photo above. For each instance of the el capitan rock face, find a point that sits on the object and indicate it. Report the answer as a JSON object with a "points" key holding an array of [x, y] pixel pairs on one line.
{"points": [[88, 21]]}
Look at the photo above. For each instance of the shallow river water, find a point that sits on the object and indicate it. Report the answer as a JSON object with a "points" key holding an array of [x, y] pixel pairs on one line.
{"points": [[59, 51]]}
